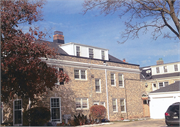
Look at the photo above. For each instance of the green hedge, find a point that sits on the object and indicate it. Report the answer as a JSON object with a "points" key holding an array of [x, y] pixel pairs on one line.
{"points": [[36, 116]]}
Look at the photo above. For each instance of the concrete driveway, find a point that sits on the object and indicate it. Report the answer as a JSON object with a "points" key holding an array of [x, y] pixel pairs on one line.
{"points": [[142, 123]]}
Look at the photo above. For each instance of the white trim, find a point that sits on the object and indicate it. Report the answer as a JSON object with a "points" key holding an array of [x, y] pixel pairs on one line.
{"points": [[107, 93], [99, 80], [82, 104], [2, 113], [14, 113], [114, 79], [70, 43], [124, 105], [80, 74], [96, 103], [122, 80], [116, 105], [59, 109], [159, 93], [88, 65]]}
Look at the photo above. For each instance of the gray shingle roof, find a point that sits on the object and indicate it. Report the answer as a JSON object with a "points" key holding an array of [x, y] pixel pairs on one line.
{"points": [[172, 87]]}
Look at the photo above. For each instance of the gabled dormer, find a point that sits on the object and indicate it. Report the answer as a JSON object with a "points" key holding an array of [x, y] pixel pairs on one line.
{"points": [[87, 51]]}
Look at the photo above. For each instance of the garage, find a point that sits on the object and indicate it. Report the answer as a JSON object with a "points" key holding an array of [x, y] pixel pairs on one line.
{"points": [[162, 98]]}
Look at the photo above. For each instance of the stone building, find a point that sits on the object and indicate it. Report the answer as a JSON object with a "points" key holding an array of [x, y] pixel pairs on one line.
{"points": [[96, 77]]}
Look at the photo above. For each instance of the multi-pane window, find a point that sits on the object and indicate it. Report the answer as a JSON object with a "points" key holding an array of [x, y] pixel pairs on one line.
{"points": [[79, 74], [81, 103], [157, 70], [103, 104], [166, 83], [123, 105], [55, 109], [103, 55], [121, 83], [91, 54], [161, 85], [60, 70], [96, 103], [77, 50], [98, 85], [113, 79], [114, 104], [17, 112], [1, 113], [175, 67], [165, 68]]}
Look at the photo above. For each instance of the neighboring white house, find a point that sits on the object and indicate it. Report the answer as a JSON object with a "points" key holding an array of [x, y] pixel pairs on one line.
{"points": [[162, 98]]}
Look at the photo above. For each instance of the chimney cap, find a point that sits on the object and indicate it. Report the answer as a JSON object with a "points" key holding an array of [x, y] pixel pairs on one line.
{"points": [[58, 32]]}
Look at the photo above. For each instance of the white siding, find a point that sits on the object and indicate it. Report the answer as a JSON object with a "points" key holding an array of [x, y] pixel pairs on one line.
{"points": [[170, 68], [68, 49], [159, 103]]}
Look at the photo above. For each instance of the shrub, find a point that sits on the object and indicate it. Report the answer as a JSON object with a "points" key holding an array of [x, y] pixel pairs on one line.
{"points": [[37, 116], [98, 112], [80, 120]]}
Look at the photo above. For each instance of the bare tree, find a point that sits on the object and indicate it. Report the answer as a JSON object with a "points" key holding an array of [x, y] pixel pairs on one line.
{"points": [[143, 14]]}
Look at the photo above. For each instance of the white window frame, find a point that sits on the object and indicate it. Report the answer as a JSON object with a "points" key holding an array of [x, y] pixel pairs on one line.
{"points": [[115, 105], [157, 70], [17, 110], [122, 80], [2, 113], [91, 53], [96, 103], [81, 103], [56, 107], [58, 69], [99, 80], [103, 55], [114, 76], [78, 52], [176, 67], [123, 105], [163, 84], [165, 68], [103, 103], [80, 74]]}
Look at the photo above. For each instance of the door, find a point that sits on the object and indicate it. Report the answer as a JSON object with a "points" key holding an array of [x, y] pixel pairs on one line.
{"points": [[146, 112]]}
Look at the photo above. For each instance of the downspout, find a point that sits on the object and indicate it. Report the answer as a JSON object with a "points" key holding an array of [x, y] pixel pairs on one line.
{"points": [[107, 93], [126, 98]]}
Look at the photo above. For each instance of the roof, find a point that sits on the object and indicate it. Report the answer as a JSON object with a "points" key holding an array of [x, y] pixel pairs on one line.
{"points": [[166, 75], [170, 88], [62, 52], [159, 64]]}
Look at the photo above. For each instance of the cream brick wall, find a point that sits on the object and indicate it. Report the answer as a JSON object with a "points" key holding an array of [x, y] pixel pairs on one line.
{"points": [[86, 89]]}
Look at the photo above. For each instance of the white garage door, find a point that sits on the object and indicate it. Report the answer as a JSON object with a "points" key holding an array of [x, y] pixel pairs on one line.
{"points": [[159, 105]]}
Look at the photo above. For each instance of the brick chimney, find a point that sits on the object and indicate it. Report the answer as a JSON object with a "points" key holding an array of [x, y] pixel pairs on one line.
{"points": [[160, 61], [124, 60], [58, 37]]}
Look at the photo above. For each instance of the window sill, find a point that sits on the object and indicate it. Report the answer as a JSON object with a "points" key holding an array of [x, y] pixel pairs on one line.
{"points": [[123, 112], [82, 108], [121, 86], [98, 92], [81, 79], [115, 111], [113, 85]]}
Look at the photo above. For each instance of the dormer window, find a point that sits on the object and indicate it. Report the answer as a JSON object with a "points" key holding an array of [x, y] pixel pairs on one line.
{"points": [[77, 50], [157, 70], [91, 54], [165, 68], [175, 67], [103, 55]]}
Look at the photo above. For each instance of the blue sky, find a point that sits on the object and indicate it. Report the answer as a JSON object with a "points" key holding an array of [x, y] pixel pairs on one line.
{"points": [[104, 31]]}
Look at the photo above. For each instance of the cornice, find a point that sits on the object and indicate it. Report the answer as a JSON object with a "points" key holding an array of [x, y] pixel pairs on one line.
{"points": [[89, 65]]}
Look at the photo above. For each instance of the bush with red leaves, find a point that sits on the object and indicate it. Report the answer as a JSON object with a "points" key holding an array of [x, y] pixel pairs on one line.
{"points": [[98, 112]]}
